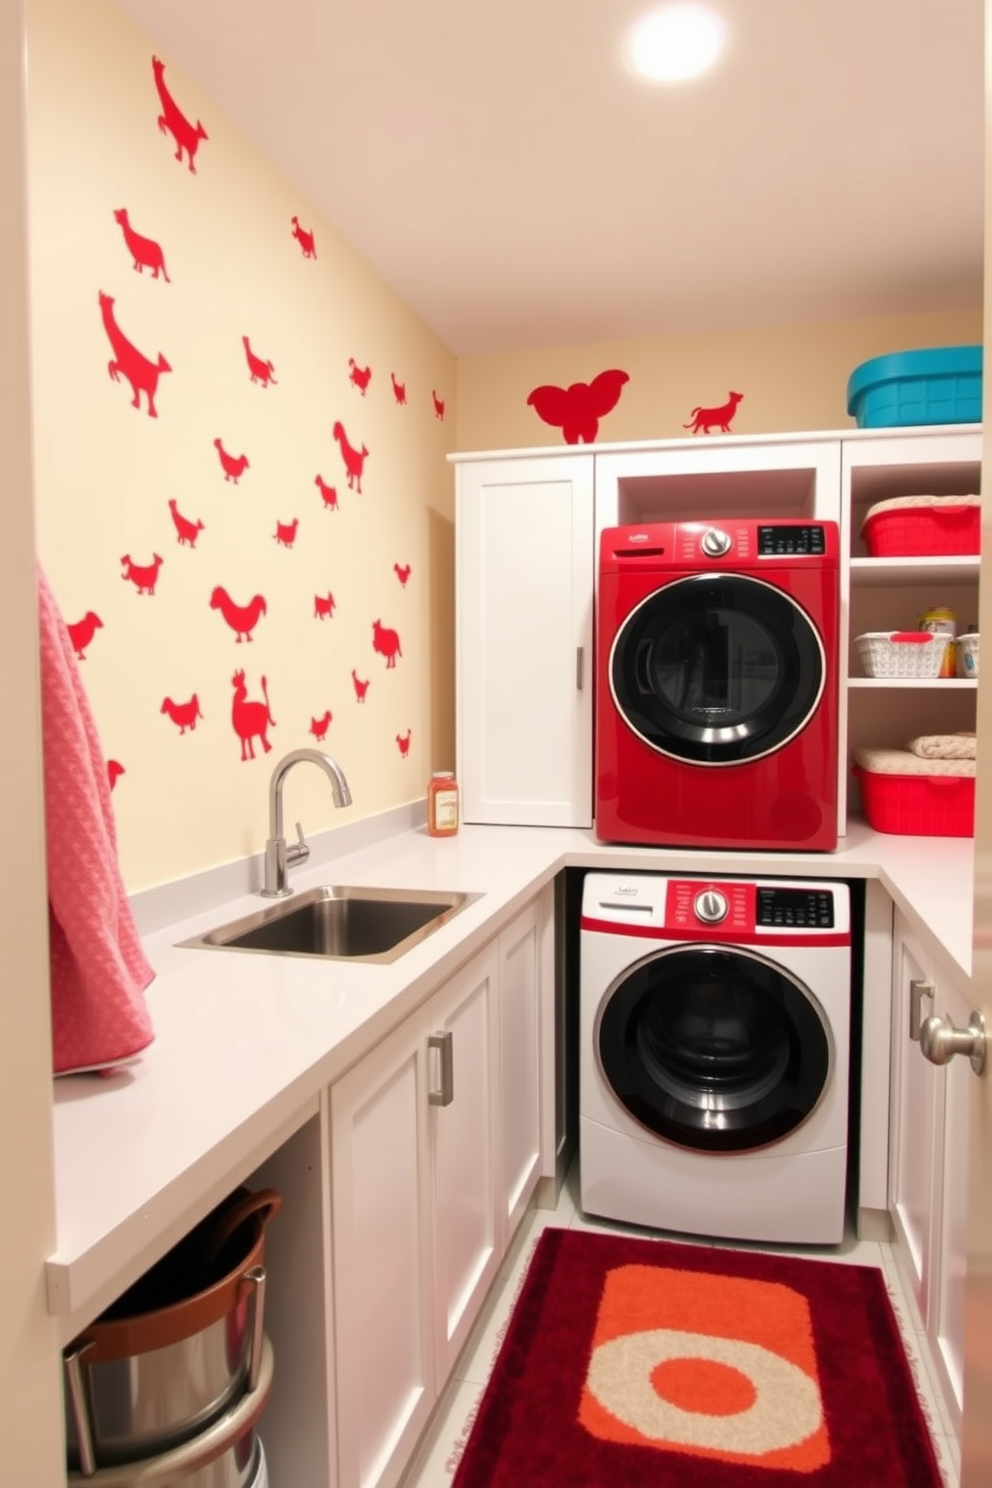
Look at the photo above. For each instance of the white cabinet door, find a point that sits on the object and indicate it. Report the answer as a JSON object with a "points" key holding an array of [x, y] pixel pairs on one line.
{"points": [[462, 1015], [524, 600]]}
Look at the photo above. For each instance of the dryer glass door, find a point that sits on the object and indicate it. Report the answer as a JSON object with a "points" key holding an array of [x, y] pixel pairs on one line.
{"points": [[717, 669], [715, 1049]]}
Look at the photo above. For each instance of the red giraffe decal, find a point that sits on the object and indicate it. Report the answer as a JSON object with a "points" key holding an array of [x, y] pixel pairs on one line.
{"points": [[142, 374], [386, 642], [173, 121], [285, 533], [183, 715], [399, 389], [359, 377], [361, 688], [404, 744], [241, 618], [81, 633], [402, 573], [186, 531], [114, 771], [577, 410], [146, 253], [323, 609], [233, 466], [354, 460], [261, 370], [319, 726], [304, 238], [328, 494], [438, 405], [143, 577], [250, 720], [705, 419]]}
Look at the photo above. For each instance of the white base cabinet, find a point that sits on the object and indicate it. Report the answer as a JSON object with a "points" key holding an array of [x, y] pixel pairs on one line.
{"points": [[435, 1150]]}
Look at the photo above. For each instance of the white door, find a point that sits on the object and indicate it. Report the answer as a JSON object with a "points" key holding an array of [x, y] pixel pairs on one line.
{"points": [[521, 1047]]}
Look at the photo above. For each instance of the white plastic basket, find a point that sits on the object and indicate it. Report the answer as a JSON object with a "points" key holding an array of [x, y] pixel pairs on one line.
{"points": [[901, 653]]}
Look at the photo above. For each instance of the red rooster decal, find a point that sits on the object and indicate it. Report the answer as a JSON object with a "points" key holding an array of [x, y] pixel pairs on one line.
{"points": [[141, 373], [145, 253], [233, 466], [183, 715], [361, 688], [354, 460], [319, 726], [81, 632], [173, 121], [241, 618], [399, 389], [328, 494], [285, 533], [304, 238], [403, 743], [359, 377], [577, 410], [402, 571]]}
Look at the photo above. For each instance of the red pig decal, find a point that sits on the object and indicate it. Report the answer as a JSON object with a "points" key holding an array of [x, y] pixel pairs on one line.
{"points": [[386, 642], [577, 410], [141, 373], [173, 121]]}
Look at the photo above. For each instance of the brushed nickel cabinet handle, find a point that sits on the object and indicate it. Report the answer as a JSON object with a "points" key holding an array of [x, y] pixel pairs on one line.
{"points": [[580, 658], [444, 1044], [919, 988]]}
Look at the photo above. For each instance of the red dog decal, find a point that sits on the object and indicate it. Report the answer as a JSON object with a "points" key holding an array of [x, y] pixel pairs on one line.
{"points": [[359, 377], [261, 370], [146, 253], [233, 466], [399, 389], [286, 532], [323, 609], [81, 633], [304, 238], [402, 573], [328, 494], [361, 688], [404, 744], [186, 531], [241, 618], [250, 720], [705, 419], [319, 726], [386, 642], [438, 405], [577, 410], [141, 373], [143, 577], [173, 121], [183, 715], [354, 460]]}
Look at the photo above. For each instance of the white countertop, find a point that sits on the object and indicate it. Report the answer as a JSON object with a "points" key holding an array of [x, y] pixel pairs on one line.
{"points": [[244, 1042]]}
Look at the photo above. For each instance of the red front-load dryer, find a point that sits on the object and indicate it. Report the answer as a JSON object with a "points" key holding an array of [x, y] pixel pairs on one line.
{"points": [[716, 684]]}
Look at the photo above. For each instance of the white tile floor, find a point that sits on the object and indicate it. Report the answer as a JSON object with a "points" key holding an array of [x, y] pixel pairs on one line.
{"points": [[435, 1463]]}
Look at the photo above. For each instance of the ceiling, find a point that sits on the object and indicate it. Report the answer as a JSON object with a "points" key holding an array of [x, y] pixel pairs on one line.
{"points": [[503, 173]]}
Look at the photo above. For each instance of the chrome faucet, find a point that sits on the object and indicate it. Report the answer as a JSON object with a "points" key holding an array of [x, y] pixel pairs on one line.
{"points": [[279, 857]]}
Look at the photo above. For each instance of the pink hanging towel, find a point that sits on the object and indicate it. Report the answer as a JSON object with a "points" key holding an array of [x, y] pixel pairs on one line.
{"points": [[99, 970]]}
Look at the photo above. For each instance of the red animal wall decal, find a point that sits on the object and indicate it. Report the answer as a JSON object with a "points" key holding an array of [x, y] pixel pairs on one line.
{"points": [[386, 642], [438, 405], [143, 576], [702, 420], [285, 533], [186, 531], [359, 377], [250, 720], [361, 688], [304, 238], [323, 609], [354, 460], [173, 121], [241, 618], [114, 771], [577, 409], [328, 494], [183, 715], [319, 726], [233, 466], [141, 373], [399, 389], [145, 253], [402, 571], [81, 632], [403, 743], [261, 370]]}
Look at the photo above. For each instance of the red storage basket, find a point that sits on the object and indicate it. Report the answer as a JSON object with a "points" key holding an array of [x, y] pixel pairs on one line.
{"points": [[923, 531], [918, 805]]}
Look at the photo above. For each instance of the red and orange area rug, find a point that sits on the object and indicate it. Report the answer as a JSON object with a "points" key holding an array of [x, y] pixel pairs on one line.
{"points": [[642, 1364]]}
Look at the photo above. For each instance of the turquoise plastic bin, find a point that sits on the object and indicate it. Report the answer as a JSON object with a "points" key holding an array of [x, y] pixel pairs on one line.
{"points": [[937, 385]]}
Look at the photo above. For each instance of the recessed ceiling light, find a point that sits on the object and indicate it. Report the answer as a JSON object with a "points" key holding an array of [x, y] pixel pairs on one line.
{"points": [[674, 42]]}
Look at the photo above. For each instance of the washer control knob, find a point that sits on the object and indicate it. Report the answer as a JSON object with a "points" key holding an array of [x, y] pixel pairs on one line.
{"points": [[715, 543], [710, 906]]}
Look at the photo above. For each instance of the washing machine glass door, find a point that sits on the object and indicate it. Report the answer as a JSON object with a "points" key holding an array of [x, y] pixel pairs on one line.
{"points": [[716, 1049], [717, 669]]}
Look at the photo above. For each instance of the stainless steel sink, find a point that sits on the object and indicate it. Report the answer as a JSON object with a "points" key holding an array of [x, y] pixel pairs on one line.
{"points": [[339, 924]]}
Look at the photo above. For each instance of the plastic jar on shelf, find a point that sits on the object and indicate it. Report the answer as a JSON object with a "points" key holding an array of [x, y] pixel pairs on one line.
{"points": [[442, 804]]}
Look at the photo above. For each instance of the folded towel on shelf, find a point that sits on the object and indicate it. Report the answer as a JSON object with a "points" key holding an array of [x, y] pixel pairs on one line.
{"points": [[902, 762], [944, 746], [98, 969]]}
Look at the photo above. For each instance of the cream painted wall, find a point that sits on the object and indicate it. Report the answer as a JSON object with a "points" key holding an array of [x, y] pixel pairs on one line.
{"points": [[106, 471], [792, 378]]}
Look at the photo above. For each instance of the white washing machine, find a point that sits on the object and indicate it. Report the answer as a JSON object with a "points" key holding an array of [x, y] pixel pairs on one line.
{"points": [[714, 1054]]}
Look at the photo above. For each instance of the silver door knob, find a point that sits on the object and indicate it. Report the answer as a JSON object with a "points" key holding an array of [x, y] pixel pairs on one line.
{"points": [[940, 1041]]}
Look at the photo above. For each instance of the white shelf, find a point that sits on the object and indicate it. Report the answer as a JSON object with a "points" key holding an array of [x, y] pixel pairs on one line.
{"points": [[936, 684], [882, 572]]}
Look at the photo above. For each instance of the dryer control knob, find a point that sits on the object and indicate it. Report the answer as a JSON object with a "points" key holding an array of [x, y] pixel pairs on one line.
{"points": [[715, 543], [710, 906]]}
